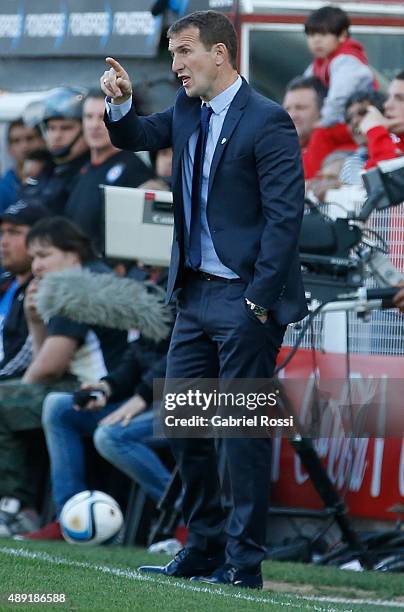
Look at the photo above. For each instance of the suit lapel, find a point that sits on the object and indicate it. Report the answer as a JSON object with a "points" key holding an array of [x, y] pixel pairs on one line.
{"points": [[232, 118]]}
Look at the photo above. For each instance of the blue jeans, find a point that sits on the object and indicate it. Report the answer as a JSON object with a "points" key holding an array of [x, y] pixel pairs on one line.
{"points": [[128, 448]]}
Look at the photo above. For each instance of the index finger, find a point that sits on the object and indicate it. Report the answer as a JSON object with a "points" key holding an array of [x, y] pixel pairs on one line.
{"points": [[115, 65]]}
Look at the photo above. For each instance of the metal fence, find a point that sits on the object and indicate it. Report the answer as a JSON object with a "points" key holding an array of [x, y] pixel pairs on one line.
{"points": [[383, 332]]}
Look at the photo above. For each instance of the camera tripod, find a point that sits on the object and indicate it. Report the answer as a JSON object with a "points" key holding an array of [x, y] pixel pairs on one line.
{"points": [[382, 551]]}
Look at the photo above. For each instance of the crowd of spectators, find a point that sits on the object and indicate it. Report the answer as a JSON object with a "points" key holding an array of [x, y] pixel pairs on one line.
{"points": [[51, 219]]}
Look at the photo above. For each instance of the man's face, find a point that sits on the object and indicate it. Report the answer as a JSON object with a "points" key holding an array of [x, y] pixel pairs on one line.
{"points": [[321, 45], [23, 140], [194, 64], [13, 251], [353, 116], [327, 178], [394, 106], [301, 104], [95, 133], [61, 132], [47, 258]]}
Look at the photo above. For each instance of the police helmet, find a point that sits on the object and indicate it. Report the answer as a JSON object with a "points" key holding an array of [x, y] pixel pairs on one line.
{"points": [[63, 103]]}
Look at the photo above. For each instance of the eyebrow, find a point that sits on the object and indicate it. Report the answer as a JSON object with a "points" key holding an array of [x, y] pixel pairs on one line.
{"points": [[180, 48]]}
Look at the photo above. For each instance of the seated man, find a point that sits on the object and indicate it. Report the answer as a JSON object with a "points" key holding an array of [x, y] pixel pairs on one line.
{"points": [[59, 120], [21, 140], [122, 432], [107, 166], [304, 97], [303, 101], [328, 177], [394, 114], [64, 354], [381, 133], [15, 344], [364, 118]]}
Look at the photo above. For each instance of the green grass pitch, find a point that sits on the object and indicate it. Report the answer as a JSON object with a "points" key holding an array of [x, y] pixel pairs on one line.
{"points": [[105, 578]]}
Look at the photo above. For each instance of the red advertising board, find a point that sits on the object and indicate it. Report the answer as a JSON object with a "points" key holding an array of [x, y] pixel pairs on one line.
{"points": [[369, 470]]}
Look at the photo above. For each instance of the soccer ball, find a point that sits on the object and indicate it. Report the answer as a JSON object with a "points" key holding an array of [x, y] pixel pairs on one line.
{"points": [[91, 517]]}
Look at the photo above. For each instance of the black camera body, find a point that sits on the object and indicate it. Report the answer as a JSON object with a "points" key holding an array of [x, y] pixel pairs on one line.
{"points": [[325, 254], [326, 245]]}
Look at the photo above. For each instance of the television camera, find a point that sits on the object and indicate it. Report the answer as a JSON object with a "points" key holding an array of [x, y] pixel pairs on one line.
{"points": [[336, 254]]}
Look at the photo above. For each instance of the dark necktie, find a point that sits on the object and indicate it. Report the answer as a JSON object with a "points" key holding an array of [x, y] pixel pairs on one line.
{"points": [[195, 254]]}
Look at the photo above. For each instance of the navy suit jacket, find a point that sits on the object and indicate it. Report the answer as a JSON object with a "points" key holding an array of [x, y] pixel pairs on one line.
{"points": [[255, 195]]}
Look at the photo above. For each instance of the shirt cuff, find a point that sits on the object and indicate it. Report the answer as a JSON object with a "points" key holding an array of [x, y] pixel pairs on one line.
{"points": [[116, 112]]}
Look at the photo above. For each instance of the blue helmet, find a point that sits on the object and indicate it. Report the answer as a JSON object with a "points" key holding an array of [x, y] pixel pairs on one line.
{"points": [[63, 103]]}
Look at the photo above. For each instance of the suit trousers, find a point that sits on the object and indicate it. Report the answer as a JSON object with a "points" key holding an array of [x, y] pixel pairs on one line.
{"points": [[216, 336]]}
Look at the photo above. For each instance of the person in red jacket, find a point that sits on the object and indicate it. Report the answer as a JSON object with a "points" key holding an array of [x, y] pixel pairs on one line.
{"points": [[358, 106], [385, 133], [380, 136]]}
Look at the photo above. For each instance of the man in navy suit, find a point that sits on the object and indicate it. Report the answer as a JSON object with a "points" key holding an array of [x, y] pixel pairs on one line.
{"points": [[238, 202]]}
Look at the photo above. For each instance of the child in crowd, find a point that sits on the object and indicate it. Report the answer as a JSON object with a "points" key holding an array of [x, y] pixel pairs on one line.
{"points": [[340, 62]]}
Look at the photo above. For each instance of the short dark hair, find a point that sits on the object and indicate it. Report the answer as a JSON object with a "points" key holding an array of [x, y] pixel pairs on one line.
{"points": [[376, 98], [12, 125], [95, 93], [213, 28], [327, 20], [400, 75], [62, 234], [18, 123], [313, 83]]}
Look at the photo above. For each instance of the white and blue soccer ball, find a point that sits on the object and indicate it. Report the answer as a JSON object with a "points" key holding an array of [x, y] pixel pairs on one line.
{"points": [[91, 517]]}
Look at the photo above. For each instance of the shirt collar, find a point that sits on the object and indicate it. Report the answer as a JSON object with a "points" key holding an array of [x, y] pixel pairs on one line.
{"points": [[225, 98]]}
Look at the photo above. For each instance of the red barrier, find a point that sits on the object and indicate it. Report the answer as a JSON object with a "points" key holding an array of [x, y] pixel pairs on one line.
{"points": [[372, 469]]}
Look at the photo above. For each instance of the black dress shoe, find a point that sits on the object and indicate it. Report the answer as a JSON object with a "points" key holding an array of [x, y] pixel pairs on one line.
{"points": [[227, 574], [186, 563]]}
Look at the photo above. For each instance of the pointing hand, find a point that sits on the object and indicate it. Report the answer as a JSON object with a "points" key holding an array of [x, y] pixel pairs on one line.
{"points": [[115, 82]]}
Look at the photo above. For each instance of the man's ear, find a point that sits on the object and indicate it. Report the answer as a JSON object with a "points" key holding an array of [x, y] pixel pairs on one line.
{"points": [[222, 54]]}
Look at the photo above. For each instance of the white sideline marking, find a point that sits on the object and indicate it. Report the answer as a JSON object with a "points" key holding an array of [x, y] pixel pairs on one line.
{"points": [[134, 575]]}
